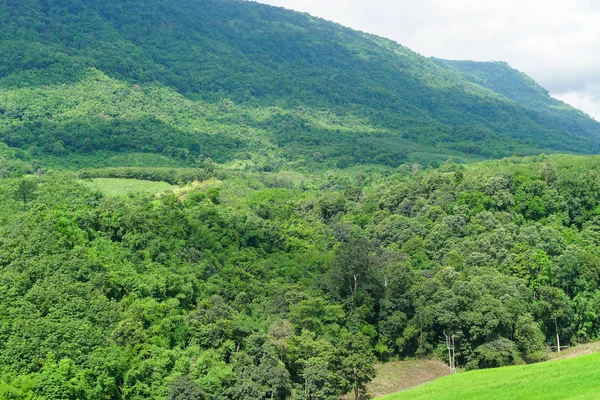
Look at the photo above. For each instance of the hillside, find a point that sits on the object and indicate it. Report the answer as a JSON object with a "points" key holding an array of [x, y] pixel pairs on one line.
{"points": [[575, 378], [89, 83], [247, 285], [395, 376]]}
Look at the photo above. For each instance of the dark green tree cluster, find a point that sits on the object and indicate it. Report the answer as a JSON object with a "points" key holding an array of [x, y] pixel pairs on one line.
{"points": [[170, 175]]}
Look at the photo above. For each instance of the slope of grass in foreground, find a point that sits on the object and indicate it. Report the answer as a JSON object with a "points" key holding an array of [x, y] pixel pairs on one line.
{"points": [[575, 378]]}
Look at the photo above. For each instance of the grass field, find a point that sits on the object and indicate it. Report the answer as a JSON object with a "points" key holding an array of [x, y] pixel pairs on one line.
{"points": [[118, 187], [573, 378]]}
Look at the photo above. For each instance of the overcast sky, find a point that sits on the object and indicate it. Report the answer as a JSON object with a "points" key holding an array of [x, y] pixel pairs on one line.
{"points": [[557, 42]]}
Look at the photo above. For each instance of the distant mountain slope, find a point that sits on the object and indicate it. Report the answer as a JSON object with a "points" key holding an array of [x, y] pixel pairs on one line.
{"points": [[313, 92], [517, 86], [501, 78]]}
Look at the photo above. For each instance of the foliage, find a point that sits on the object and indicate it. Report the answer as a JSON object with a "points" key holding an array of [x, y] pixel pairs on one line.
{"points": [[25, 191], [255, 286], [183, 388], [253, 280]]}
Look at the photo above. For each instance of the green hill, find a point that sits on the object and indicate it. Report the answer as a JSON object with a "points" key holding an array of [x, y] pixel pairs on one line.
{"points": [[246, 285], [87, 82], [575, 378]]}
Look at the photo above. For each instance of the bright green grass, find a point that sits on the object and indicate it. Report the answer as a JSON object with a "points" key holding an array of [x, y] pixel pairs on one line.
{"points": [[118, 187], [575, 378]]}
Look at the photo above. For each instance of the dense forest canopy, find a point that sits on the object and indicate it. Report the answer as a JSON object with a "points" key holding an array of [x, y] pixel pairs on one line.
{"points": [[88, 82], [279, 285]]}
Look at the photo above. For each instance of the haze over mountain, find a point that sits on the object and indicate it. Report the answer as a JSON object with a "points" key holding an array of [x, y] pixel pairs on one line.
{"points": [[89, 81]]}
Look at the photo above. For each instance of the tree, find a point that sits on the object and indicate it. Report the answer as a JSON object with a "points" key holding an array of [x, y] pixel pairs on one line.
{"points": [[58, 380], [319, 380], [58, 148], [280, 332], [25, 191], [247, 385], [209, 166], [554, 305], [184, 388], [540, 271], [356, 361], [274, 376], [354, 269], [548, 173], [529, 337], [318, 369], [315, 314], [415, 168], [497, 353]]}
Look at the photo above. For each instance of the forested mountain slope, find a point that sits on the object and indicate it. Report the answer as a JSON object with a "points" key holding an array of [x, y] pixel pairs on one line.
{"points": [[234, 80], [515, 85]]}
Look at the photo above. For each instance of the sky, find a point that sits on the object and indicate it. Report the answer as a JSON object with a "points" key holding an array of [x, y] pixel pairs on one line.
{"points": [[556, 42]]}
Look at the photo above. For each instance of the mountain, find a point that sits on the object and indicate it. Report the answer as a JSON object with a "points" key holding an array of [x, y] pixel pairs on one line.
{"points": [[89, 82]]}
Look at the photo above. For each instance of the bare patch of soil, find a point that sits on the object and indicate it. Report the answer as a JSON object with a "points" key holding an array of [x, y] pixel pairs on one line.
{"points": [[575, 351], [395, 376]]}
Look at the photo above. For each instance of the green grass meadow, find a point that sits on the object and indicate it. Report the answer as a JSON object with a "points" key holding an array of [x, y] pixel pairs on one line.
{"points": [[575, 378], [118, 187]]}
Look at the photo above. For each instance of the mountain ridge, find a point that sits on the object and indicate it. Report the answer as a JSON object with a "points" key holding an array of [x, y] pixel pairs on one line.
{"points": [[288, 67], [525, 91]]}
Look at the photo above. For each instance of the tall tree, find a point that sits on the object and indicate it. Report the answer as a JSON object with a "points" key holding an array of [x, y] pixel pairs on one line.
{"points": [[25, 191], [356, 362]]}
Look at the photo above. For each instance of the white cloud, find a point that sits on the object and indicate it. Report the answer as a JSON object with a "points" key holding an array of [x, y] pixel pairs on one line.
{"points": [[554, 41], [586, 100]]}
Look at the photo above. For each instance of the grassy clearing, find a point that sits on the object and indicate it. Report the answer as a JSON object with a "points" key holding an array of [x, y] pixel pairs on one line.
{"points": [[573, 378], [118, 187]]}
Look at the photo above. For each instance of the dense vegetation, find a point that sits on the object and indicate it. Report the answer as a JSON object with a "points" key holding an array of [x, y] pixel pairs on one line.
{"points": [[303, 242], [97, 83], [566, 379], [279, 285]]}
